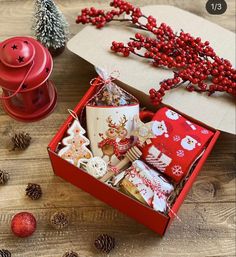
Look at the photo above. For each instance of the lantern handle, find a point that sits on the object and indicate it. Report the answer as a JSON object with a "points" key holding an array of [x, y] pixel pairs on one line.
{"points": [[21, 84]]}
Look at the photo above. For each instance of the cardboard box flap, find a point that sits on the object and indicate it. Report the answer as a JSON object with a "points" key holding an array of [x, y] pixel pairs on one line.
{"points": [[93, 45]]}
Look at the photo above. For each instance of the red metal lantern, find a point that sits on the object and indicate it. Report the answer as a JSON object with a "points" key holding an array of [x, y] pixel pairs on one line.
{"points": [[25, 66]]}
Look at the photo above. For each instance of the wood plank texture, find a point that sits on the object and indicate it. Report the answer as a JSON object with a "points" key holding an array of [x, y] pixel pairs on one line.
{"points": [[208, 214]]}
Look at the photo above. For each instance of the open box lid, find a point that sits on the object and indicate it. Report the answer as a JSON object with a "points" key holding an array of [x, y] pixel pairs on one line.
{"points": [[216, 111]]}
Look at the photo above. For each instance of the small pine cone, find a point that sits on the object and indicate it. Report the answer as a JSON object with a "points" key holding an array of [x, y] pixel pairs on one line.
{"points": [[21, 141], [5, 253], [33, 191], [70, 254], [59, 220], [4, 177], [105, 243]]}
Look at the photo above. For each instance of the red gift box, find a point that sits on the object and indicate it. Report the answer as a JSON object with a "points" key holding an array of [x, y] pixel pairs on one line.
{"points": [[146, 215]]}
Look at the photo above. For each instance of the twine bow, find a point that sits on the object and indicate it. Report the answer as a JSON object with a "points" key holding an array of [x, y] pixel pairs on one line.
{"points": [[105, 78], [73, 114]]}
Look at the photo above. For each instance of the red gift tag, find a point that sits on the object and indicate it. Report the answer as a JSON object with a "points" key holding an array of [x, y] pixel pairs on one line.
{"points": [[177, 143]]}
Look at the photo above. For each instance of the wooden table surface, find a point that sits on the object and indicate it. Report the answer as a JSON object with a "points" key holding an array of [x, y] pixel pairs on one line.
{"points": [[208, 213]]}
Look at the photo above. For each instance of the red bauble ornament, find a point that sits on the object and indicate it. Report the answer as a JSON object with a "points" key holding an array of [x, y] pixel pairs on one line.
{"points": [[23, 224]]}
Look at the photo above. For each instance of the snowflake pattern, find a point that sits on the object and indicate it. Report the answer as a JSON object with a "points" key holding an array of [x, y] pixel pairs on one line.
{"points": [[180, 153], [204, 131], [177, 170], [176, 138]]}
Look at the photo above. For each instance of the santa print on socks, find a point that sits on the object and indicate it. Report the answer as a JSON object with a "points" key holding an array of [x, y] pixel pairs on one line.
{"points": [[176, 145]]}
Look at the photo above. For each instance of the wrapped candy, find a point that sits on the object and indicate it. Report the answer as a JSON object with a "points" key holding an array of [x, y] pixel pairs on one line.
{"points": [[110, 94], [147, 185]]}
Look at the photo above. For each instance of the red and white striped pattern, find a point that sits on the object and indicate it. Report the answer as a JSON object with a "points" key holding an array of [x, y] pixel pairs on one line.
{"points": [[158, 159]]}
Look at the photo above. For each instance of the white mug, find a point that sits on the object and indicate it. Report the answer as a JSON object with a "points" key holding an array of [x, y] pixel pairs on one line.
{"points": [[109, 130]]}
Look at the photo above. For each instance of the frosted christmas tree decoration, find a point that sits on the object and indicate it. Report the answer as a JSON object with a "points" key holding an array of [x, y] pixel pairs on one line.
{"points": [[50, 26], [75, 150]]}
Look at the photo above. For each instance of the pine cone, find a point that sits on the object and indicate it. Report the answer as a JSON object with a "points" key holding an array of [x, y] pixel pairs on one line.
{"points": [[70, 254], [59, 220], [4, 177], [5, 253], [33, 191], [21, 141], [105, 243]]}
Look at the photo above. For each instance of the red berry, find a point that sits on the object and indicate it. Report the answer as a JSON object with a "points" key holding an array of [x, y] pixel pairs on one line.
{"points": [[126, 53], [190, 88], [194, 60], [152, 91], [23, 224], [214, 72]]}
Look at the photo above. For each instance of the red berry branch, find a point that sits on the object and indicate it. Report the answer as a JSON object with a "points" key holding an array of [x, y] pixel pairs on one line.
{"points": [[194, 62]]}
